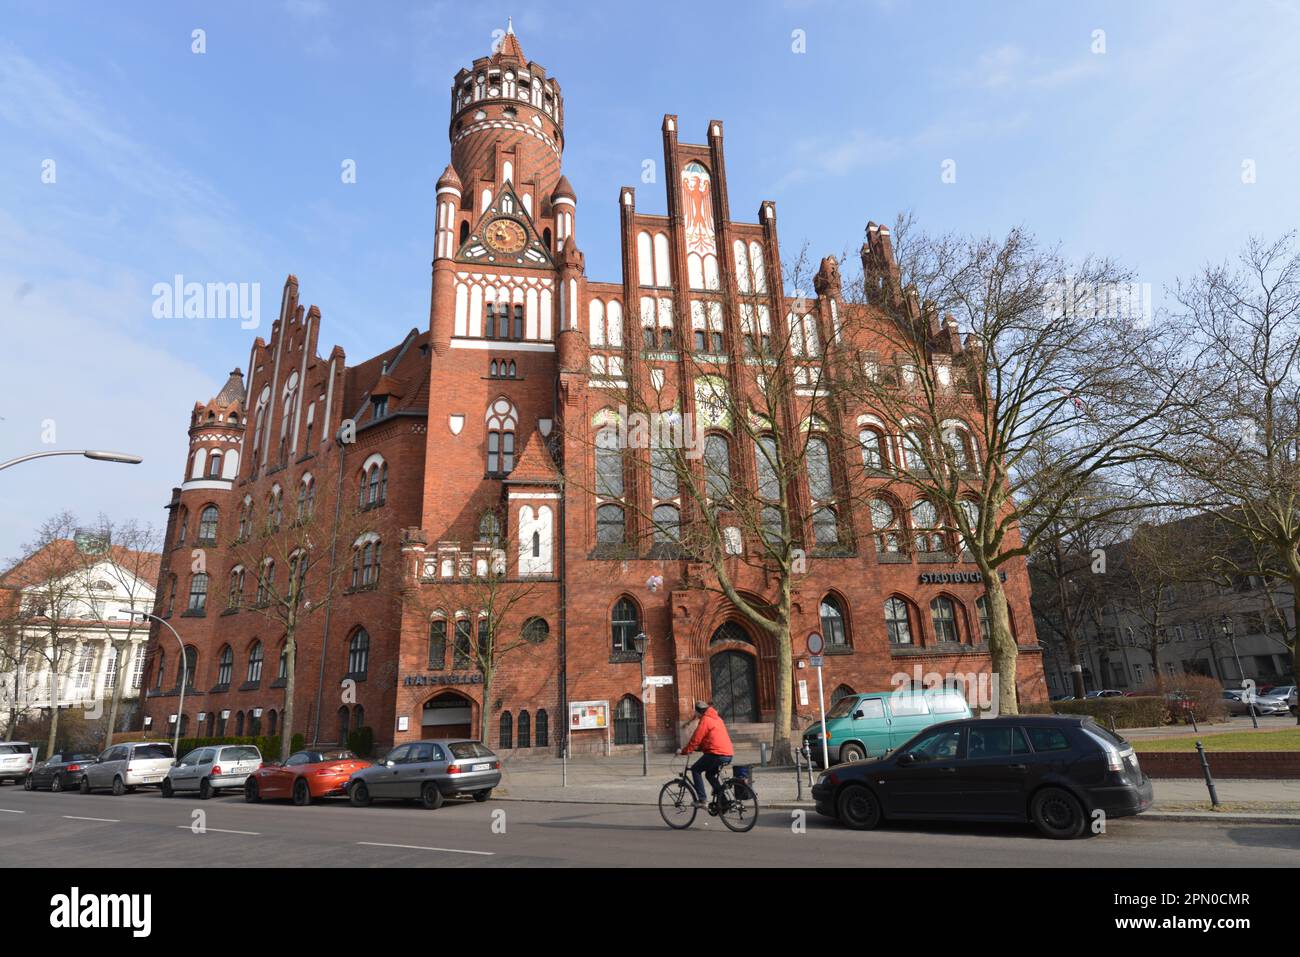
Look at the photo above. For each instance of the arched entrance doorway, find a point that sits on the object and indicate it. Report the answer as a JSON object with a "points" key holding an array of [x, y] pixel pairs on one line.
{"points": [[734, 674], [447, 715]]}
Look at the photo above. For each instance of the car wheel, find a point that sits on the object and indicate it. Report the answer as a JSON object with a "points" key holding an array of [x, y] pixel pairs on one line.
{"points": [[166, 788], [1057, 814], [56, 783], [483, 795], [205, 789], [301, 793], [84, 786], [250, 792], [119, 787], [430, 796], [27, 783], [359, 794], [852, 752], [858, 808]]}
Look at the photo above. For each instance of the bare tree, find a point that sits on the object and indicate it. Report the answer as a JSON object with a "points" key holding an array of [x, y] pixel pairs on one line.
{"points": [[1238, 448], [477, 615], [48, 593], [726, 466], [324, 544], [127, 560], [1015, 379]]}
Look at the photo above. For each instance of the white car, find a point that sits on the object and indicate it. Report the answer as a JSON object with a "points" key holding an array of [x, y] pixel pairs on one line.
{"points": [[208, 770], [16, 761], [125, 767]]}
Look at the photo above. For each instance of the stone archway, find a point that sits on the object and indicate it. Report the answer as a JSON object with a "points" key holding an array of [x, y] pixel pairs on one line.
{"points": [[733, 674], [447, 714]]}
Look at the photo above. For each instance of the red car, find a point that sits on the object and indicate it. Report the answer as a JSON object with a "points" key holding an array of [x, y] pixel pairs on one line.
{"points": [[305, 776]]}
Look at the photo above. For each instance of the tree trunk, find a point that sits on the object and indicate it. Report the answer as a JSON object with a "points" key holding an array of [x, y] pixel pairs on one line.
{"points": [[286, 715], [1295, 637], [54, 709], [484, 716], [1076, 669], [1002, 645], [116, 700], [784, 680]]}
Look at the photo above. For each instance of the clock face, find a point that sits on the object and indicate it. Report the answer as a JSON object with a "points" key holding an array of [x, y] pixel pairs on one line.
{"points": [[505, 236]]}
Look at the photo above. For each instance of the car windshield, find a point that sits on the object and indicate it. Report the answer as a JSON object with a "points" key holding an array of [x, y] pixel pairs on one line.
{"points": [[336, 756], [146, 751], [842, 707], [243, 753], [469, 749]]}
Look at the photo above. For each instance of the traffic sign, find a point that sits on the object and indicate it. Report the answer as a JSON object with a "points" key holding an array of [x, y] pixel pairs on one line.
{"points": [[658, 681], [815, 644], [815, 661]]}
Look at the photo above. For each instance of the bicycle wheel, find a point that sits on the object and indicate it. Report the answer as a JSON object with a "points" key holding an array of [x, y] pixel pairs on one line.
{"points": [[741, 811], [677, 804]]}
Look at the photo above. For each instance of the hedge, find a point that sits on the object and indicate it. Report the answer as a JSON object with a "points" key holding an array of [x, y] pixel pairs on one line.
{"points": [[268, 744], [1138, 712]]}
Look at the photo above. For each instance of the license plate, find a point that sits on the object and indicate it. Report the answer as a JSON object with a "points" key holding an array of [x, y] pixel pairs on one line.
{"points": [[480, 767]]}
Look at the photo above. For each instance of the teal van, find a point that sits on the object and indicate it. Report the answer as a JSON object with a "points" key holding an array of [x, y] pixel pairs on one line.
{"points": [[862, 726]]}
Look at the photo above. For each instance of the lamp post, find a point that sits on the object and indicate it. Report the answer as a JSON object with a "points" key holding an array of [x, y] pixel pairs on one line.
{"points": [[121, 457], [185, 680], [639, 643], [1226, 624]]}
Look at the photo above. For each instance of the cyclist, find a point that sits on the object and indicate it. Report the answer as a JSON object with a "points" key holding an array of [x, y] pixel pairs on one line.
{"points": [[714, 743]]}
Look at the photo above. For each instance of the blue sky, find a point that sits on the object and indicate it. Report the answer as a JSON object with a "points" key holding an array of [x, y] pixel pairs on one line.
{"points": [[225, 166]]}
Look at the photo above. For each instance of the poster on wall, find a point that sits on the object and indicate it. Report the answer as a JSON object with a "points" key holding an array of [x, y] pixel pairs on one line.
{"points": [[588, 715]]}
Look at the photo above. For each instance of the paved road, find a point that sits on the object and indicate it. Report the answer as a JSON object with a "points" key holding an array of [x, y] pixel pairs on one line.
{"points": [[145, 829]]}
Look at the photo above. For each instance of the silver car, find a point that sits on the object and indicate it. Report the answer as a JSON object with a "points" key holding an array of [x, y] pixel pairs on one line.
{"points": [[16, 761], [208, 770], [428, 771], [125, 767]]}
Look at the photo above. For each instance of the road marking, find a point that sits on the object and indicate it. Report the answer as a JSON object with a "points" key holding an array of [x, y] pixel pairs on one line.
{"points": [[417, 847], [104, 820], [219, 830], [7, 811]]}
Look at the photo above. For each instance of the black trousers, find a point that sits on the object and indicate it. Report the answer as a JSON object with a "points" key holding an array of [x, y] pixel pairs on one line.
{"points": [[707, 766]]}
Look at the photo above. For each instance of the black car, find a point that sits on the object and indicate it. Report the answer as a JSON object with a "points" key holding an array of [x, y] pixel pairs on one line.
{"points": [[60, 771], [1055, 772]]}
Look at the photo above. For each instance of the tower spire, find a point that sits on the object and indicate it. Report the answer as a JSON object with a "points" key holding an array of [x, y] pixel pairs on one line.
{"points": [[510, 26]]}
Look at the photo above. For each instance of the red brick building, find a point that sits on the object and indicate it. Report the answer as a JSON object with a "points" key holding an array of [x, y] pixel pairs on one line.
{"points": [[458, 431]]}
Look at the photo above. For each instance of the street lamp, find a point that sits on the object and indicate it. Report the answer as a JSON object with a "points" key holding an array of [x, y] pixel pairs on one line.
{"points": [[1226, 624], [99, 456], [185, 680], [639, 643]]}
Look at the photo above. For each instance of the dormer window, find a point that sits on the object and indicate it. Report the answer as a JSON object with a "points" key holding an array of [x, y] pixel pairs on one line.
{"points": [[379, 406]]}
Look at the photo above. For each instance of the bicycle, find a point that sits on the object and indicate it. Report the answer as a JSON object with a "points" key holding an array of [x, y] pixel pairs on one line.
{"points": [[739, 808]]}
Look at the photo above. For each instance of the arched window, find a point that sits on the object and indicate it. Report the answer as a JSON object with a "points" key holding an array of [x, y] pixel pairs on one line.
{"points": [[366, 555], [359, 654], [275, 508], [255, 655], [502, 417], [925, 527], [986, 622], [826, 527], [717, 466], [225, 666], [944, 616], [897, 623], [627, 720], [535, 630], [543, 729], [770, 522], [609, 471], [464, 231], [182, 520], [343, 719], [875, 451], [214, 465], [270, 722], [525, 730], [208, 525], [358, 718], [625, 624], [765, 464], [914, 446], [239, 724], [236, 595], [833, 629], [306, 497], [191, 666], [884, 523], [374, 484], [198, 602], [489, 528], [246, 518], [842, 691], [507, 731], [817, 462], [265, 581], [438, 643], [667, 519], [610, 526]]}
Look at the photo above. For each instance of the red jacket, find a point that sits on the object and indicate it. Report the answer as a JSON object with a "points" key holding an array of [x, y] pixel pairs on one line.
{"points": [[711, 736]]}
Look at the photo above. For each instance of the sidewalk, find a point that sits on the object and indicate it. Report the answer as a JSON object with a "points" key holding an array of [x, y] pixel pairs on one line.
{"points": [[618, 780]]}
